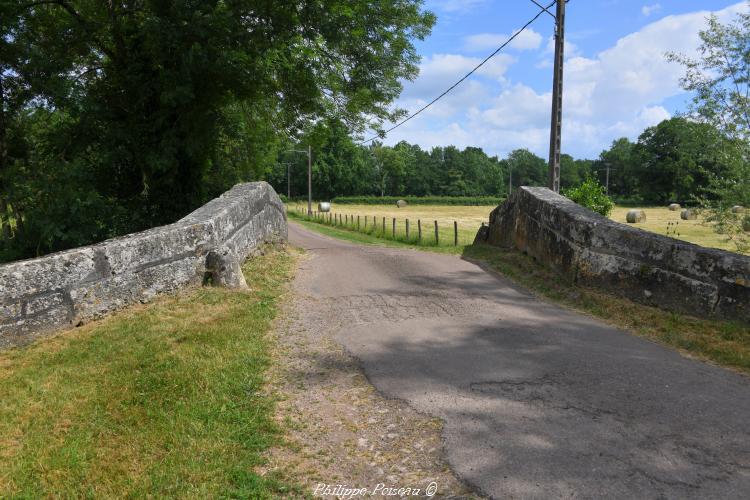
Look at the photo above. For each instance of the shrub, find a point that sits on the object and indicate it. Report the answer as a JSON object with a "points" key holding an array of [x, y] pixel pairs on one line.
{"points": [[591, 195]]}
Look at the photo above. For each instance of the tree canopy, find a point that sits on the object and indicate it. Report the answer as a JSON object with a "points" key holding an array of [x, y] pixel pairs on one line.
{"points": [[116, 116]]}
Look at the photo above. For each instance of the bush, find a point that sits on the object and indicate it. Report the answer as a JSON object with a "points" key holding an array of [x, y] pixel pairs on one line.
{"points": [[421, 200], [591, 195]]}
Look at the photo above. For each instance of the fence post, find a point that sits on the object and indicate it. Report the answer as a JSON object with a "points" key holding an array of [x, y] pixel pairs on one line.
{"points": [[407, 229], [394, 228], [455, 233], [437, 238], [419, 230], [358, 223], [383, 227]]}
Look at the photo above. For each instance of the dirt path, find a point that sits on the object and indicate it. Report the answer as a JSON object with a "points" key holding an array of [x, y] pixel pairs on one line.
{"points": [[537, 401], [342, 433]]}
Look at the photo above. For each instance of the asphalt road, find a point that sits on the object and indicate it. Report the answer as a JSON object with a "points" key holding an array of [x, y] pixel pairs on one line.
{"points": [[538, 401]]}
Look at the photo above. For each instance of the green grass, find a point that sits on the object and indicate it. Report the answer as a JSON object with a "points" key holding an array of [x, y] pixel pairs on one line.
{"points": [[722, 342], [446, 229], [162, 400], [659, 220]]}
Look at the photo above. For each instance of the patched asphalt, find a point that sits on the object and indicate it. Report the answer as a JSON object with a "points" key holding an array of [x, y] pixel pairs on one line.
{"points": [[538, 401]]}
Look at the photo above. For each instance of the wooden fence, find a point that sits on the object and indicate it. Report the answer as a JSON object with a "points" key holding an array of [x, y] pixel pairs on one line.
{"points": [[376, 226]]}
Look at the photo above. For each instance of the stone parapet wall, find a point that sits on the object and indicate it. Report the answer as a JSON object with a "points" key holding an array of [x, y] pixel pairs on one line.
{"points": [[641, 265], [70, 287]]}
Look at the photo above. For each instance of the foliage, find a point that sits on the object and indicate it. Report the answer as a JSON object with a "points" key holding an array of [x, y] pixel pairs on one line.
{"points": [[719, 81], [591, 195], [421, 200], [151, 108], [678, 158]]}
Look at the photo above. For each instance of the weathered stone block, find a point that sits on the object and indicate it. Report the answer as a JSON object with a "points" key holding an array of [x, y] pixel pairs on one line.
{"points": [[643, 266], [224, 269], [76, 285]]}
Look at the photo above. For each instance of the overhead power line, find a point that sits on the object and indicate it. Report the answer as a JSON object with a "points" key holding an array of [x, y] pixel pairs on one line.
{"points": [[467, 75]]}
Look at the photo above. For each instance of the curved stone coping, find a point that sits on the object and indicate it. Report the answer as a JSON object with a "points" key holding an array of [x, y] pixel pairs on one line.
{"points": [[69, 287], [639, 264]]}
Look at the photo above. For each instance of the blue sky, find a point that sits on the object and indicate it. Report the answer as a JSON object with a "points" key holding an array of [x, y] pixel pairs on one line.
{"points": [[617, 80]]}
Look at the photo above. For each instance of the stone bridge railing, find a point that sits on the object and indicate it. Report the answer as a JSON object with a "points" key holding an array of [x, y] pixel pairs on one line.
{"points": [[70, 287], [641, 265]]}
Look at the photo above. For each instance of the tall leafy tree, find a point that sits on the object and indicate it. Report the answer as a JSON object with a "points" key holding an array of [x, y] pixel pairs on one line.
{"points": [[153, 99]]}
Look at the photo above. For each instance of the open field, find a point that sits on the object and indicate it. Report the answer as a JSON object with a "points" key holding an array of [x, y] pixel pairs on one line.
{"points": [[162, 400], [469, 219]]}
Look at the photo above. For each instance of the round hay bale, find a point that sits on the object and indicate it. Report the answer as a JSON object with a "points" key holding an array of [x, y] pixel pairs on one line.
{"points": [[737, 209], [635, 216], [674, 207], [688, 214], [324, 206], [401, 203]]}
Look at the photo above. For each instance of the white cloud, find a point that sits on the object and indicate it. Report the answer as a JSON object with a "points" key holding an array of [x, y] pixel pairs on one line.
{"points": [[647, 10], [526, 40], [439, 71], [547, 57], [616, 93]]}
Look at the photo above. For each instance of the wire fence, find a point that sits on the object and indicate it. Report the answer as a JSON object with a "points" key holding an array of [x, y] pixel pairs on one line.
{"points": [[422, 232]]}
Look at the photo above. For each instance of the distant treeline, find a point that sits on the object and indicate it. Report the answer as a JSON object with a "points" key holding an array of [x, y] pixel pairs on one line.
{"points": [[677, 160]]}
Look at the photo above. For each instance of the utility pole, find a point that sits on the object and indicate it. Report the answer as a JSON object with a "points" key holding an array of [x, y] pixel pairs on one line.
{"points": [[309, 174], [510, 179], [607, 183], [557, 95], [309, 180]]}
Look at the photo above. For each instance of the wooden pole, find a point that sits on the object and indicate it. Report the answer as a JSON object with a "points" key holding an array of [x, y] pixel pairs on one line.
{"points": [[383, 227], [407, 229], [419, 230], [437, 238], [358, 223], [455, 233], [394, 228], [365, 223]]}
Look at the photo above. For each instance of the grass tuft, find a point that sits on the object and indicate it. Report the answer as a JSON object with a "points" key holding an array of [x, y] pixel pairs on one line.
{"points": [[165, 399]]}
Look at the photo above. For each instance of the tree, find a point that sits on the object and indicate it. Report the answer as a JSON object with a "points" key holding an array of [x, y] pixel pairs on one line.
{"points": [[678, 158], [720, 77], [152, 100], [720, 81], [527, 169], [623, 168]]}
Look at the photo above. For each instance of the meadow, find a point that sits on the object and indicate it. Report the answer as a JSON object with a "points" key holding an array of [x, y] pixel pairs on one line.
{"points": [[659, 220]]}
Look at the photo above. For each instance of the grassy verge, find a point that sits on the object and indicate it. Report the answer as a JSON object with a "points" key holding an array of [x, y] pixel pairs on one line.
{"points": [[722, 342], [162, 400], [376, 235]]}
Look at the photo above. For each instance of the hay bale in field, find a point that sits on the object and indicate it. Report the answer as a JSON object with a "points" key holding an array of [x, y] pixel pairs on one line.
{"points": [[324, 206], [401, 203], [688, 214], [674, 207], [737, 209], [635, 216]]}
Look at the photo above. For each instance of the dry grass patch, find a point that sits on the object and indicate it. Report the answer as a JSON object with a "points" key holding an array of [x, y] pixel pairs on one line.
{"points": [[160, 400]]}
